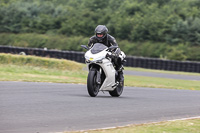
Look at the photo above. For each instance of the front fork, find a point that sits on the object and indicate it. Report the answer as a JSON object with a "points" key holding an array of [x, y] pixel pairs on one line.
{"points": [[99, 72], [98, 80]]}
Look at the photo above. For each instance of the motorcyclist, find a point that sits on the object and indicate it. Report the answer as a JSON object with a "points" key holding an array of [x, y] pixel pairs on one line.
{"points": [[102, 36]]}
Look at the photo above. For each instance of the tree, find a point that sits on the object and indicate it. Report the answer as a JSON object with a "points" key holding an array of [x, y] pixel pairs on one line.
{"points": [[186, 31]]}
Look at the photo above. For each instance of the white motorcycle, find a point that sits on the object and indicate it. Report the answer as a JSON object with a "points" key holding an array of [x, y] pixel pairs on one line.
{"points": [[102, 75]]}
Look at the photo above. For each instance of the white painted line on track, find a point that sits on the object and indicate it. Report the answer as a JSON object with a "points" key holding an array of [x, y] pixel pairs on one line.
{"points": [[106, 128], [189, 118]]}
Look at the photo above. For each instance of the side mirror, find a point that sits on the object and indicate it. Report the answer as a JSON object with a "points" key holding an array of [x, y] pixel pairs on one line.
{"points": [[111, 48], [85, 47]]}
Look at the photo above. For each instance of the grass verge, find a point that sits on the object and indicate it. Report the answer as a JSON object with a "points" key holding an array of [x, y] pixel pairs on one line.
{"points": [[152, 82], [40, 69], [39, 74], [161, 71], [179, 126], [42, 62]]}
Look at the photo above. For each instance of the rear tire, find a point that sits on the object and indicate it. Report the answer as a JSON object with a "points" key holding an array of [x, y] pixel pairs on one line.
{"points": [[92, 86], [117, 91]]}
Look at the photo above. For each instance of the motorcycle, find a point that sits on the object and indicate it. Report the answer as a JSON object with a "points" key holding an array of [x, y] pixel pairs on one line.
{"points": [[102, 75]]}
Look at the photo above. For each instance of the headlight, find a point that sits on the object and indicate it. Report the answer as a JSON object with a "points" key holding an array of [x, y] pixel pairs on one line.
{"points": [[91, 59]]}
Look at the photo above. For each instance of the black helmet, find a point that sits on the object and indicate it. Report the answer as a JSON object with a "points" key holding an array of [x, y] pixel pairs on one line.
{"points": [[101, 32]]}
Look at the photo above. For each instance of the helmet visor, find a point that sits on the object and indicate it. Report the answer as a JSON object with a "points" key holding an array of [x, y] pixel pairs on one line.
{"points": [[99, 35]]}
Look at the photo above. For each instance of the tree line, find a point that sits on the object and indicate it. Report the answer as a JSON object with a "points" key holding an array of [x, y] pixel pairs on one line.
{"points": [[163, 28]]}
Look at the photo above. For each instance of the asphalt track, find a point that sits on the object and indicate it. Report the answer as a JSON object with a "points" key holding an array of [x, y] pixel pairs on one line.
{"points": [[27, 107]]}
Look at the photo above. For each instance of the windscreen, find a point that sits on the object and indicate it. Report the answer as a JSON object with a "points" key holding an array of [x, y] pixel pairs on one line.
{"points": [[98, 47]]}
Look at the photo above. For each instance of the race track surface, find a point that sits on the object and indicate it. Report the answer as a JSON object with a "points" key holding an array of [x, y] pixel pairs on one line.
{"points": [[27, 107]]}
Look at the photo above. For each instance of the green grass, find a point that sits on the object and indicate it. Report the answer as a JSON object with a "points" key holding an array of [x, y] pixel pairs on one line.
{"points": [[40, 69], [179, 126], [141, 81], [162, 71], [9, 72], [42, 62], [39, 74]]}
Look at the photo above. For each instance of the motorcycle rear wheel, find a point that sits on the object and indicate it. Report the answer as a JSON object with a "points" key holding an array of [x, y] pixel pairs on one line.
{"points": [[92, 86], [117, 91]]}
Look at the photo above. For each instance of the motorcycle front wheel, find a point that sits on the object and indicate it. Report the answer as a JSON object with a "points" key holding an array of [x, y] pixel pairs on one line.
{"points": [[92, 86], [117, 91]]}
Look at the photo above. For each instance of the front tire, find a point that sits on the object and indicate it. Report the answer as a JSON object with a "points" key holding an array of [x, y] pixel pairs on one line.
{"points": [[92, 86], [117, 91]]}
